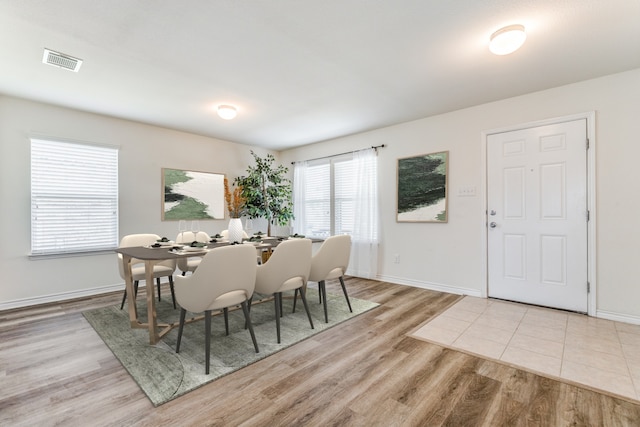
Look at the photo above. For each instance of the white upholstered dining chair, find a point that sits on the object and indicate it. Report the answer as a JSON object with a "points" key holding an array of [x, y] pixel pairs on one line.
{"points": [[331, 262], [191, 263], [225, 278], [286, 270], [162, 269]]}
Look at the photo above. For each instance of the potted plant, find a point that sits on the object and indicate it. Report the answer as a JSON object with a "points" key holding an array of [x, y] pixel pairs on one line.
{"points": [[267, 191]]}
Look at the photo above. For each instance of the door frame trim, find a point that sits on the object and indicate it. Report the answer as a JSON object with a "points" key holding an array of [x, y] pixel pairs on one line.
{"points": [[590, 117]]}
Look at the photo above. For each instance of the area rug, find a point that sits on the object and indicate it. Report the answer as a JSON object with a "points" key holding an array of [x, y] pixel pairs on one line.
{"points": [[164, 375]]}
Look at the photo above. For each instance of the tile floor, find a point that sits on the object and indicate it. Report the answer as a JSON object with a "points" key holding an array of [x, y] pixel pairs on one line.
{"points": [[602, 354]]}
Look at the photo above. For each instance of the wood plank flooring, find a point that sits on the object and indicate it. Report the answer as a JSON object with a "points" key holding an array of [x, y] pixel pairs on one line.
{"points": [[55, 370]]}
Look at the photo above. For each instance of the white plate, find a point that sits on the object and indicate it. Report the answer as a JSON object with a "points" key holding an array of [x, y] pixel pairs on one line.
{"points": [[169, 243], [246, 242]]}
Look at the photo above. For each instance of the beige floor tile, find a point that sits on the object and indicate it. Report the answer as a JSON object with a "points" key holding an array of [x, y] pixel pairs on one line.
{"points": [[497, 322], [548, 313], [539, 345], [632, 353], [507, 308], [585, 325], [598, 360], [437, 335], [603, 380], [544, 319], [461, 314], [480, 346], [576, 343], [450, 323], [532, 360], [626, 327], [629, 338], [475, 304], [556, 334], [490, 333]]}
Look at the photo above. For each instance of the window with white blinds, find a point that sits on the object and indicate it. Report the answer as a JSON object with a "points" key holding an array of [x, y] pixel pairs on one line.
{"points": [[74, 197], [329, 197]]}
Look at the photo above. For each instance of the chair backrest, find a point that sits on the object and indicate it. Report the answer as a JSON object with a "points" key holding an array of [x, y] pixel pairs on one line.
{"points": [[291, 259], [333, 255], [132, 240], [222, 270], [190, 236]]}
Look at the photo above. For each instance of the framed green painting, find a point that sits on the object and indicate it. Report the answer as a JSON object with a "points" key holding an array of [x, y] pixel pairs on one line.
{"points": [[192, 195], [422, 188]]}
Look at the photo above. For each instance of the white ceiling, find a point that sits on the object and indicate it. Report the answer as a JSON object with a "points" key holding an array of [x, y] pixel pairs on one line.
{"points": [[302, 71]]}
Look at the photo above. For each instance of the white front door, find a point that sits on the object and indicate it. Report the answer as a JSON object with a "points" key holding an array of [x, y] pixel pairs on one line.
{"points": [[537, 215]]}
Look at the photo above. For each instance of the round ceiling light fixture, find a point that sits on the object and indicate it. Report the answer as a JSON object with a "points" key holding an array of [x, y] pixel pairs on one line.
{"points": [[507, 40], [227, 112]]}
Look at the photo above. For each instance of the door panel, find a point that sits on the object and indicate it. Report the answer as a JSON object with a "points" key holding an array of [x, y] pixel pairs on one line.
{"points": [[537, 234]]}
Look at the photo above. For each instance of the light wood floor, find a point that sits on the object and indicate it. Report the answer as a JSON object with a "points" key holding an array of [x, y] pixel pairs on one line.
{"points": [[54, 370]]}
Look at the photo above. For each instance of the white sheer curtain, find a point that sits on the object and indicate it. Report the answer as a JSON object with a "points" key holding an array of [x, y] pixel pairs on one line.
{"points": [[364, 240], [299, 185]]}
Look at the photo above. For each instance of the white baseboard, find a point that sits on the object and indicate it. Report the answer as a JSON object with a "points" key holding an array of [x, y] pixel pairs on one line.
{"points": [[431, 286], [26, 302], [618, 317]]}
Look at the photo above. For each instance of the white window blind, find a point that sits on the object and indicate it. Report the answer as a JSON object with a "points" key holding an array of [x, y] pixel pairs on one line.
{"points": [[317, 203], [344, 184], [329, 197], [74, 197]]}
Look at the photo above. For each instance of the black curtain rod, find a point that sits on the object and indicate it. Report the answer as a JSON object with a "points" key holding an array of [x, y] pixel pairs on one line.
{"points": [[375, 147]]}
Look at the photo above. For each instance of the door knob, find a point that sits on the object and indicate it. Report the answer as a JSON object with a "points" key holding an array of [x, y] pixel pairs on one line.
{"points": [[493, 225]]}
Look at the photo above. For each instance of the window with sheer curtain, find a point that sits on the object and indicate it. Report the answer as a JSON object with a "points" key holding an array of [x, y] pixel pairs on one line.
{"points": [[338, 195], [74, 197]]}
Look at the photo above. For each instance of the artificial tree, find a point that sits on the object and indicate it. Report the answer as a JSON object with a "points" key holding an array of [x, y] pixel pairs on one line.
{"points": [[267, 191]]}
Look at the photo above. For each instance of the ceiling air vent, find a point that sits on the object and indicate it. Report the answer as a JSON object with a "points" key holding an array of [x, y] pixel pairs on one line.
{"points": [[61, 60]]}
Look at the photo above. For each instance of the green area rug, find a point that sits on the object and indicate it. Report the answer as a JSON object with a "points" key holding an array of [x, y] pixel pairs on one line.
{"points": [[164, 375]]}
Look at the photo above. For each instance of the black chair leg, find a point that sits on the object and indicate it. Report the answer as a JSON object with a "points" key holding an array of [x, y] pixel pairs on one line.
{"points": [[158, 282], [173, 292], [124, 296], [183, 314], [295, 299], [226, 320], [207, 339], [247, 319], [344, 289], [281, 310], [246, 325], [323, 291], [276, 298], [306, 306]]}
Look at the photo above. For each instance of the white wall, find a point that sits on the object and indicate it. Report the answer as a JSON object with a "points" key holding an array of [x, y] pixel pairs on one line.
{"points": [[144, 150], [450, 256], [440, 256]]}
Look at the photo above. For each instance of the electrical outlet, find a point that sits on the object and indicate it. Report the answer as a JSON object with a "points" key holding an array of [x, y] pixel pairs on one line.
{"points": [[396, 259]]}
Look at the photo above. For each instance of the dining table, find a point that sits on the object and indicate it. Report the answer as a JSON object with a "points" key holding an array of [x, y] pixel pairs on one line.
{"points": [[152, 256]]}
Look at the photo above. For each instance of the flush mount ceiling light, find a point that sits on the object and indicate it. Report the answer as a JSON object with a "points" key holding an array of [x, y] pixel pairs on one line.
{"points": [[61, 60], [227, 112], [507, 40]]}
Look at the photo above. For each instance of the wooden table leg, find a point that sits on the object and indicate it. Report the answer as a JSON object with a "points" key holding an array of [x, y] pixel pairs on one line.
{"points": [[152, 320], [128, 283]]}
